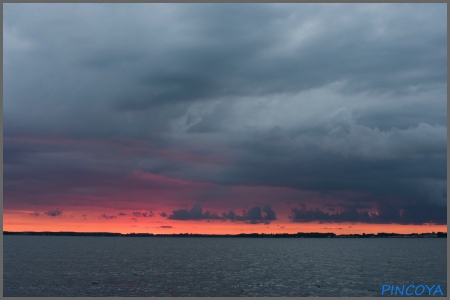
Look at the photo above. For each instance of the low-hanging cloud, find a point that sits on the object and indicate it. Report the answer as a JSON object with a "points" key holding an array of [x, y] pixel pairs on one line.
{"points": [[414, 212], [53, 213], [195, 213], [107, 217], [143, 214], [253, 216]]}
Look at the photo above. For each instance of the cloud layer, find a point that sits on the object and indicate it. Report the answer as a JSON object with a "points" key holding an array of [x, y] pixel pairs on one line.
{"points": [[53, 213], [252, 216]]}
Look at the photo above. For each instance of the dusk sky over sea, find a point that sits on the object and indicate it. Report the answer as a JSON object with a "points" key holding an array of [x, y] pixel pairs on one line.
{"points": [[225, 118]]}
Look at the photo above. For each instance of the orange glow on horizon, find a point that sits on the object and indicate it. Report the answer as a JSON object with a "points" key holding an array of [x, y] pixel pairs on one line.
{"points": [[73, 221]]}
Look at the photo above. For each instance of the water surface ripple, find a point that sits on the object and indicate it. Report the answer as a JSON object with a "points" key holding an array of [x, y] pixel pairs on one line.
{"points": [[43, 266]]}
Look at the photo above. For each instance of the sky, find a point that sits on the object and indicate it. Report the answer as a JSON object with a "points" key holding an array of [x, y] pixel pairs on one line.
{"points": [[225, 118]]}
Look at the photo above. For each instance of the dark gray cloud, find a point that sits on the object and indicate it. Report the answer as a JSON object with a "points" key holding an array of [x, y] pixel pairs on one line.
{"points": [[338, 228], [269, 213], [253, 216], [350, 215], [265, 50], [36, 214], [143, 214], [411, 213], [195, 213], [122, 214], [231, 215], [107, 217], [163, 214], [53, 213], [165, 226], [327, 98]]}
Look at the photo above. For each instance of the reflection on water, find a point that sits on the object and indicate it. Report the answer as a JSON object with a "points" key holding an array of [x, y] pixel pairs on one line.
{"points": [[164, 266]]}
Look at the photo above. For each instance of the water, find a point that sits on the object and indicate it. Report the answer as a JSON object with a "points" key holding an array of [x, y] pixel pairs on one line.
{"points": [[182, 266]]}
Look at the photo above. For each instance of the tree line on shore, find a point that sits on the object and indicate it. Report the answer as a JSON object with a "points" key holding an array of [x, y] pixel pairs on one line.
{"points": [[250, 235]]}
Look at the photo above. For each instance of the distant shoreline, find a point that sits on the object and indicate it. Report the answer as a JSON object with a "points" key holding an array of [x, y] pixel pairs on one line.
{"points": [[241, 235]]}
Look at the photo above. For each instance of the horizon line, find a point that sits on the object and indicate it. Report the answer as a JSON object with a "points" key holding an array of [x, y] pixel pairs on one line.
{"points": [[324, 234]]}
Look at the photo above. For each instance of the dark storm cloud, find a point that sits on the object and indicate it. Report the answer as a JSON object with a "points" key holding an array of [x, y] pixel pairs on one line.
{"points": [[231, 215], [143, 214], [107, 217], [53, 213], [356, 205], [315, 97], [270, 214], [195, 213], [351, 215], [264, 50], [163, 214], [122, 214], [252, 216], [170, 88], [411, 213]]}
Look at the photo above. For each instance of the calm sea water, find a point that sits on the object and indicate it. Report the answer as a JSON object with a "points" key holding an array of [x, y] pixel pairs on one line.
{"points": [[121, 266]]}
